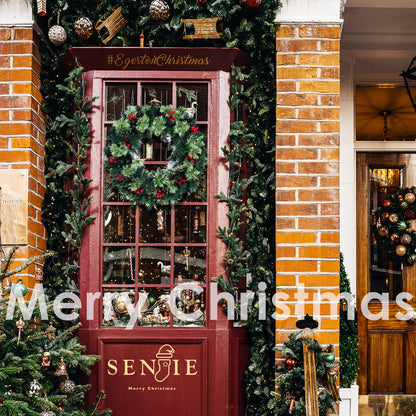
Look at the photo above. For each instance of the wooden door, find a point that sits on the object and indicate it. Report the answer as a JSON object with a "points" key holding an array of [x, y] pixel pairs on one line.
{"points": [[388, 345]]}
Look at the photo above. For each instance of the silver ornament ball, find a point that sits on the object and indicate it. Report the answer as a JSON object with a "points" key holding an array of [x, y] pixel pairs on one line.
{"points": [[67, 387], [57, 35], [47, 413]]}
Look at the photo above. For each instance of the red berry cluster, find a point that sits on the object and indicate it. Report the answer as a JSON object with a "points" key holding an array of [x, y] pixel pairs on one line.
{"points": [[181, 181], [191, 159], [112, 160], [170, 116], [127, 144], [132, 117], [160, 194], [139, 190], [120, 178], [194, 129]]}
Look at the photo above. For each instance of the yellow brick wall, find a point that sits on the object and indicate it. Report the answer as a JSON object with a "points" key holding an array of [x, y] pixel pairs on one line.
{"points": [[307, 172], [22, 127]]}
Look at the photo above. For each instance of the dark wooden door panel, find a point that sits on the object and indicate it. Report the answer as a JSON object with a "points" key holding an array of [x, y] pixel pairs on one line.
{"points": [[386, 352]]}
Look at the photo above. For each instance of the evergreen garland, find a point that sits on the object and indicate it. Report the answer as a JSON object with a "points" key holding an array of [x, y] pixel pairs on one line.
{"points": [[250, 235], [348, 338]]}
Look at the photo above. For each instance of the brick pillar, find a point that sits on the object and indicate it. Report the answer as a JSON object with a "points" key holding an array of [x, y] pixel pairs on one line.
{"points": [[307, 168], [22, 125]]}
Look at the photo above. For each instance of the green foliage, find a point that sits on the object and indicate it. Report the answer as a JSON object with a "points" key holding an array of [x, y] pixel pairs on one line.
{"points": [[165, 185], [291, 381], [21, 356], [348, 339], [250, 234]]}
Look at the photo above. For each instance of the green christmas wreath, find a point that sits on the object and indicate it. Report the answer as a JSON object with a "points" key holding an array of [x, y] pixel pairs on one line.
{"points": [[165, 184], [396, 224]]}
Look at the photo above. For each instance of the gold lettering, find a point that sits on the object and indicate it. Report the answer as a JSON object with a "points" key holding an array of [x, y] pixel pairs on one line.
{"points": [[207, 61], [128, 367], [119, 59], [126, 63], [176, 372], [145, 364], [112, 365], [190, 367]]}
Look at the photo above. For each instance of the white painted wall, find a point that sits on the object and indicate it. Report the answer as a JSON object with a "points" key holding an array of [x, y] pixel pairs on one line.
{"points": [[16, 13]]}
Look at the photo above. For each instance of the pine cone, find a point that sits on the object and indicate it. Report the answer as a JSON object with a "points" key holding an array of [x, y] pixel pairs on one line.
{"points": [[159, 9], [409, 214]]}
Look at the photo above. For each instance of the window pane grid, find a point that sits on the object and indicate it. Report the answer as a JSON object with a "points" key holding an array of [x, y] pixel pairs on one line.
{"points": [[169, 245]]}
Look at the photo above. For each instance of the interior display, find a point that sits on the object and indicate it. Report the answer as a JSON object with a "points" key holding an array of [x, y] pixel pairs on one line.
{"points": [[108, 27], [169, 183], [394, 224]]}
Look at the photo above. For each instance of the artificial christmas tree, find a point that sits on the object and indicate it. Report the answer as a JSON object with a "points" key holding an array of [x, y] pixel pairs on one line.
{"points": [[294, 376], [31, 352]]}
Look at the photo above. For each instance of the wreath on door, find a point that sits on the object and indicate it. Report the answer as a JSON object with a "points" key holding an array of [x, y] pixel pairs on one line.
{"points": [[164, 184], [396, 224]]}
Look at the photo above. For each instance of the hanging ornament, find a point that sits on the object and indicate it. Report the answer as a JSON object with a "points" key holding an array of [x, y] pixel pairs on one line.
{"points": [[386, 203], [159, 10], [149, 151], [401, 225], [50, 331], [35, 389], [384, 216], [38, 274], [84, 27], [67, 386], [46, 357], [395, 238], [41, 7], [119, 223], [329, 357], [160, 220], [109, 27], [19, 289], [186, 253], [404, 205], [57, 34], [250, 4], [405, 239], [196, 223], [120, 304], [20, 324], [291, 404], [202, 218], [290, 363], [400, 250], [61, 370], [410, 197], [383, 231], [47, 413], [203, 28], [411, 259], [393, 218]]}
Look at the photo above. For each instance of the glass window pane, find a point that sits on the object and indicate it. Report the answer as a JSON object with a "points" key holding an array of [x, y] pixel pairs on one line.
{"points": [[119, 224], [117, 306], [155, 226], [190, 305], [118, 265], [154, 265], [386, 268], [154, 307], [118, 96], [187, 93], [190, 265], [190, 224], [155, 90]]}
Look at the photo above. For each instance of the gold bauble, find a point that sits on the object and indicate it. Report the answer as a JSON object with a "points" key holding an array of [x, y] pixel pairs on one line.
{"points": [[393, 217], [395, 237], [406, 239], [400, 250], [84, 27], [383, 231], [120, 305], [410, 197]]}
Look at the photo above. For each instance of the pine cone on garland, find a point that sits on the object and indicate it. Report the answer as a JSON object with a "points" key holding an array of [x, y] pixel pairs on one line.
{"points": [[409, 214]]}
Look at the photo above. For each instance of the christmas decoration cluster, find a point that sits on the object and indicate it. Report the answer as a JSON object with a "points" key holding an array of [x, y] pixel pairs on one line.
{"points": [[396, 225], [176, 130]]}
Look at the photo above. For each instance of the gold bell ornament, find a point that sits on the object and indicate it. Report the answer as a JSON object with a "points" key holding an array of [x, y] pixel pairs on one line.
{"points": [[61, 370]]}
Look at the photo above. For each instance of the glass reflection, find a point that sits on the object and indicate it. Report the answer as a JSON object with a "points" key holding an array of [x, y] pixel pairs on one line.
{"points": [[119, 224], [190, 224], [155, 226], [118, 97], [118, 265], [154, 307], [118, 306], [190, 305], [154, 265], [190, 265]]}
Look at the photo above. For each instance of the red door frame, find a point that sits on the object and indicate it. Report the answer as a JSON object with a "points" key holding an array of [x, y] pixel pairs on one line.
{"points": [[220, 342]]}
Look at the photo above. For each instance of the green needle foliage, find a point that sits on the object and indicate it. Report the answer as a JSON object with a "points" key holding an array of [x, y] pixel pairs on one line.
{"points": [[250, 198], [21, 355]]}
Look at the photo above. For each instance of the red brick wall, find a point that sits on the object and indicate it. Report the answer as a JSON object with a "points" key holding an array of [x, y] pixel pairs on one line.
{"points": [[307, 171], [22, 126]]}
